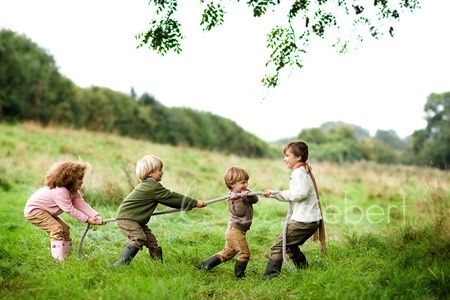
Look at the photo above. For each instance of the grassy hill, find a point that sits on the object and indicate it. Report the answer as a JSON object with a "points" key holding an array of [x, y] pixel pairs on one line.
{"points": [[388, 226]]}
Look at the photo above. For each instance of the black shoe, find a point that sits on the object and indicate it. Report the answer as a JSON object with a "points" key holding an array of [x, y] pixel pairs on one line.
{"points": [[127, 256], [156, 254], [239, 269], [299, 260], [273, 268], [209, 263]]}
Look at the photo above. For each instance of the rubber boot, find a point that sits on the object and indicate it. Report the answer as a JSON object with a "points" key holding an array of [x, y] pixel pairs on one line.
{"points": [[299, 260], [67, 248], [209, 263], [57, 249], [239, 269], [127, 256], [273, 268], [156, 254]]}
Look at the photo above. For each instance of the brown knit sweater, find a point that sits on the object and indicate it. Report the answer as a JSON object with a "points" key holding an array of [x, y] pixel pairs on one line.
{"points": [[241, 212]]}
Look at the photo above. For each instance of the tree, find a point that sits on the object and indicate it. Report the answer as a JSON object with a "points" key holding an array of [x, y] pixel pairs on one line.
{"points": [[358, 131], [313, 135], [30, 83], [31, 88], [343, 21], [432, 144], [335, 141], [390, 138]]}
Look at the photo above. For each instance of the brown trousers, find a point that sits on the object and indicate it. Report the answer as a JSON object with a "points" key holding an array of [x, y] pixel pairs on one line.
{"points": [[54, 226], [235, 243], [138, 235], [297, 233]]}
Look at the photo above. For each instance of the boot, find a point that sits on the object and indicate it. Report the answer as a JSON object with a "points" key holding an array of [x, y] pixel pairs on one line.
{"points": [[156, 254], [127, 256], [209, 263], [67, 248], [299, 260], [57, 249], [273, 268], [239, 269]]}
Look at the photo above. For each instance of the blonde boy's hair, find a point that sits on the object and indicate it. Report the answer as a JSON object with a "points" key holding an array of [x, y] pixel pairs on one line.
{"points": [[233, 175], [147, 165]]}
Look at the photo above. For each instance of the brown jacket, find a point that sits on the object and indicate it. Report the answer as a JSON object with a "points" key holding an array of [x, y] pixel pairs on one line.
{"points": [[241, 212]]}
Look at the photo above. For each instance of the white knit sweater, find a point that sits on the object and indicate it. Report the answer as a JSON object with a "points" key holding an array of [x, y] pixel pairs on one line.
{"points": [[303, 197]]}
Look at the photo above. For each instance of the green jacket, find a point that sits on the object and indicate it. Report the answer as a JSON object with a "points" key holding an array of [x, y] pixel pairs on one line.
{"points": [[140, 204]]}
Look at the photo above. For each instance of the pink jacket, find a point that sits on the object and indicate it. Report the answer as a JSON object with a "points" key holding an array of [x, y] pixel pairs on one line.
{"points": [[58, 200]]}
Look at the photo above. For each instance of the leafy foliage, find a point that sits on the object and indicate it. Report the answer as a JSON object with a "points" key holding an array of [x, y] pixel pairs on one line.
{"points": [[29, 79], [341, 142], [31, 88], [432, 144], [390, 138], [346, 21], [212, 16], [162, 36]]}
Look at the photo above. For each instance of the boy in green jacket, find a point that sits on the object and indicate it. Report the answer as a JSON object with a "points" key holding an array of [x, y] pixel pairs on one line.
{"points": [[136, 209]]}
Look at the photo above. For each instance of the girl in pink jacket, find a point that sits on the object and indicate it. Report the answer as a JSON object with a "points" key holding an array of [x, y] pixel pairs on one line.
{"points": [[60, 194]]}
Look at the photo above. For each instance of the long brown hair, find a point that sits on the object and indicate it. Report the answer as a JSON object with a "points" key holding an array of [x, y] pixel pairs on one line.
{"points": [[300, 149], [65, 174]]}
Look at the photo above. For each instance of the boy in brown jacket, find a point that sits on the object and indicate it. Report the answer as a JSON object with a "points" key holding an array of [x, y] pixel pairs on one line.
{"points": [[241, 216]]}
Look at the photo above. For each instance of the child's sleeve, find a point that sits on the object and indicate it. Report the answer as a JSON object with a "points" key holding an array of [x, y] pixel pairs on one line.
{"points": [[173, 199], [64, 202], [298, 187], [81, 205], [252, 199]]}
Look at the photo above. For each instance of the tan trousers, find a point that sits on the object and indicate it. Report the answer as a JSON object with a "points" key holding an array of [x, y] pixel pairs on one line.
{"points": [[235, 243], [54, 226], [138, 235], [297, 233]]}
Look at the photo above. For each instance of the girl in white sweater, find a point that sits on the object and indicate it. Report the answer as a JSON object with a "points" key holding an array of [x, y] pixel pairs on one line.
{"points": [[304, 215]]}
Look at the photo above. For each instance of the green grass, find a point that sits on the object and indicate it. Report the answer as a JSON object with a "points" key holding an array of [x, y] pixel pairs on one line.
{"points": [[404, 255]]}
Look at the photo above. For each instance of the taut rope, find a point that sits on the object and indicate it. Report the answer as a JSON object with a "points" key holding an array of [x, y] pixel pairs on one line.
{"points": [[169, 211]]}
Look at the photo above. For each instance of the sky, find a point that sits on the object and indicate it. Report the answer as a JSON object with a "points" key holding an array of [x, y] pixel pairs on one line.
{"points": [[383, 84]]}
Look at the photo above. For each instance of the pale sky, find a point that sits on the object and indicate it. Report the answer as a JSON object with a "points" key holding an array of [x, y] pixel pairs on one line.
{"points": [[382, 85]]}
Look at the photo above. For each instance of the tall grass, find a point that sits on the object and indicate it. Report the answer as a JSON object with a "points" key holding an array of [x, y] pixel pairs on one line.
{"points": [[388, 226]]}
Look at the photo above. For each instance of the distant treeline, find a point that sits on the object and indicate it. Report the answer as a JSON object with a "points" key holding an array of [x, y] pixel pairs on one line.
{"points": [[31, 88], [341, 142]]}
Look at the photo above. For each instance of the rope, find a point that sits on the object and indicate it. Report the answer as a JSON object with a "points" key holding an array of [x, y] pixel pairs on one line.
{"points": [[323, 247], [169, 211], [285, 225], [274, 194]]}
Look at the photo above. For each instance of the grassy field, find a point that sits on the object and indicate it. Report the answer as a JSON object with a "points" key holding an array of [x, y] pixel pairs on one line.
{"points": [[388, 226]]}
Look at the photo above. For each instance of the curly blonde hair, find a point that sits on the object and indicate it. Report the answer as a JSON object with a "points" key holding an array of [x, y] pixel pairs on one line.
{"points": [[65, 174]]}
